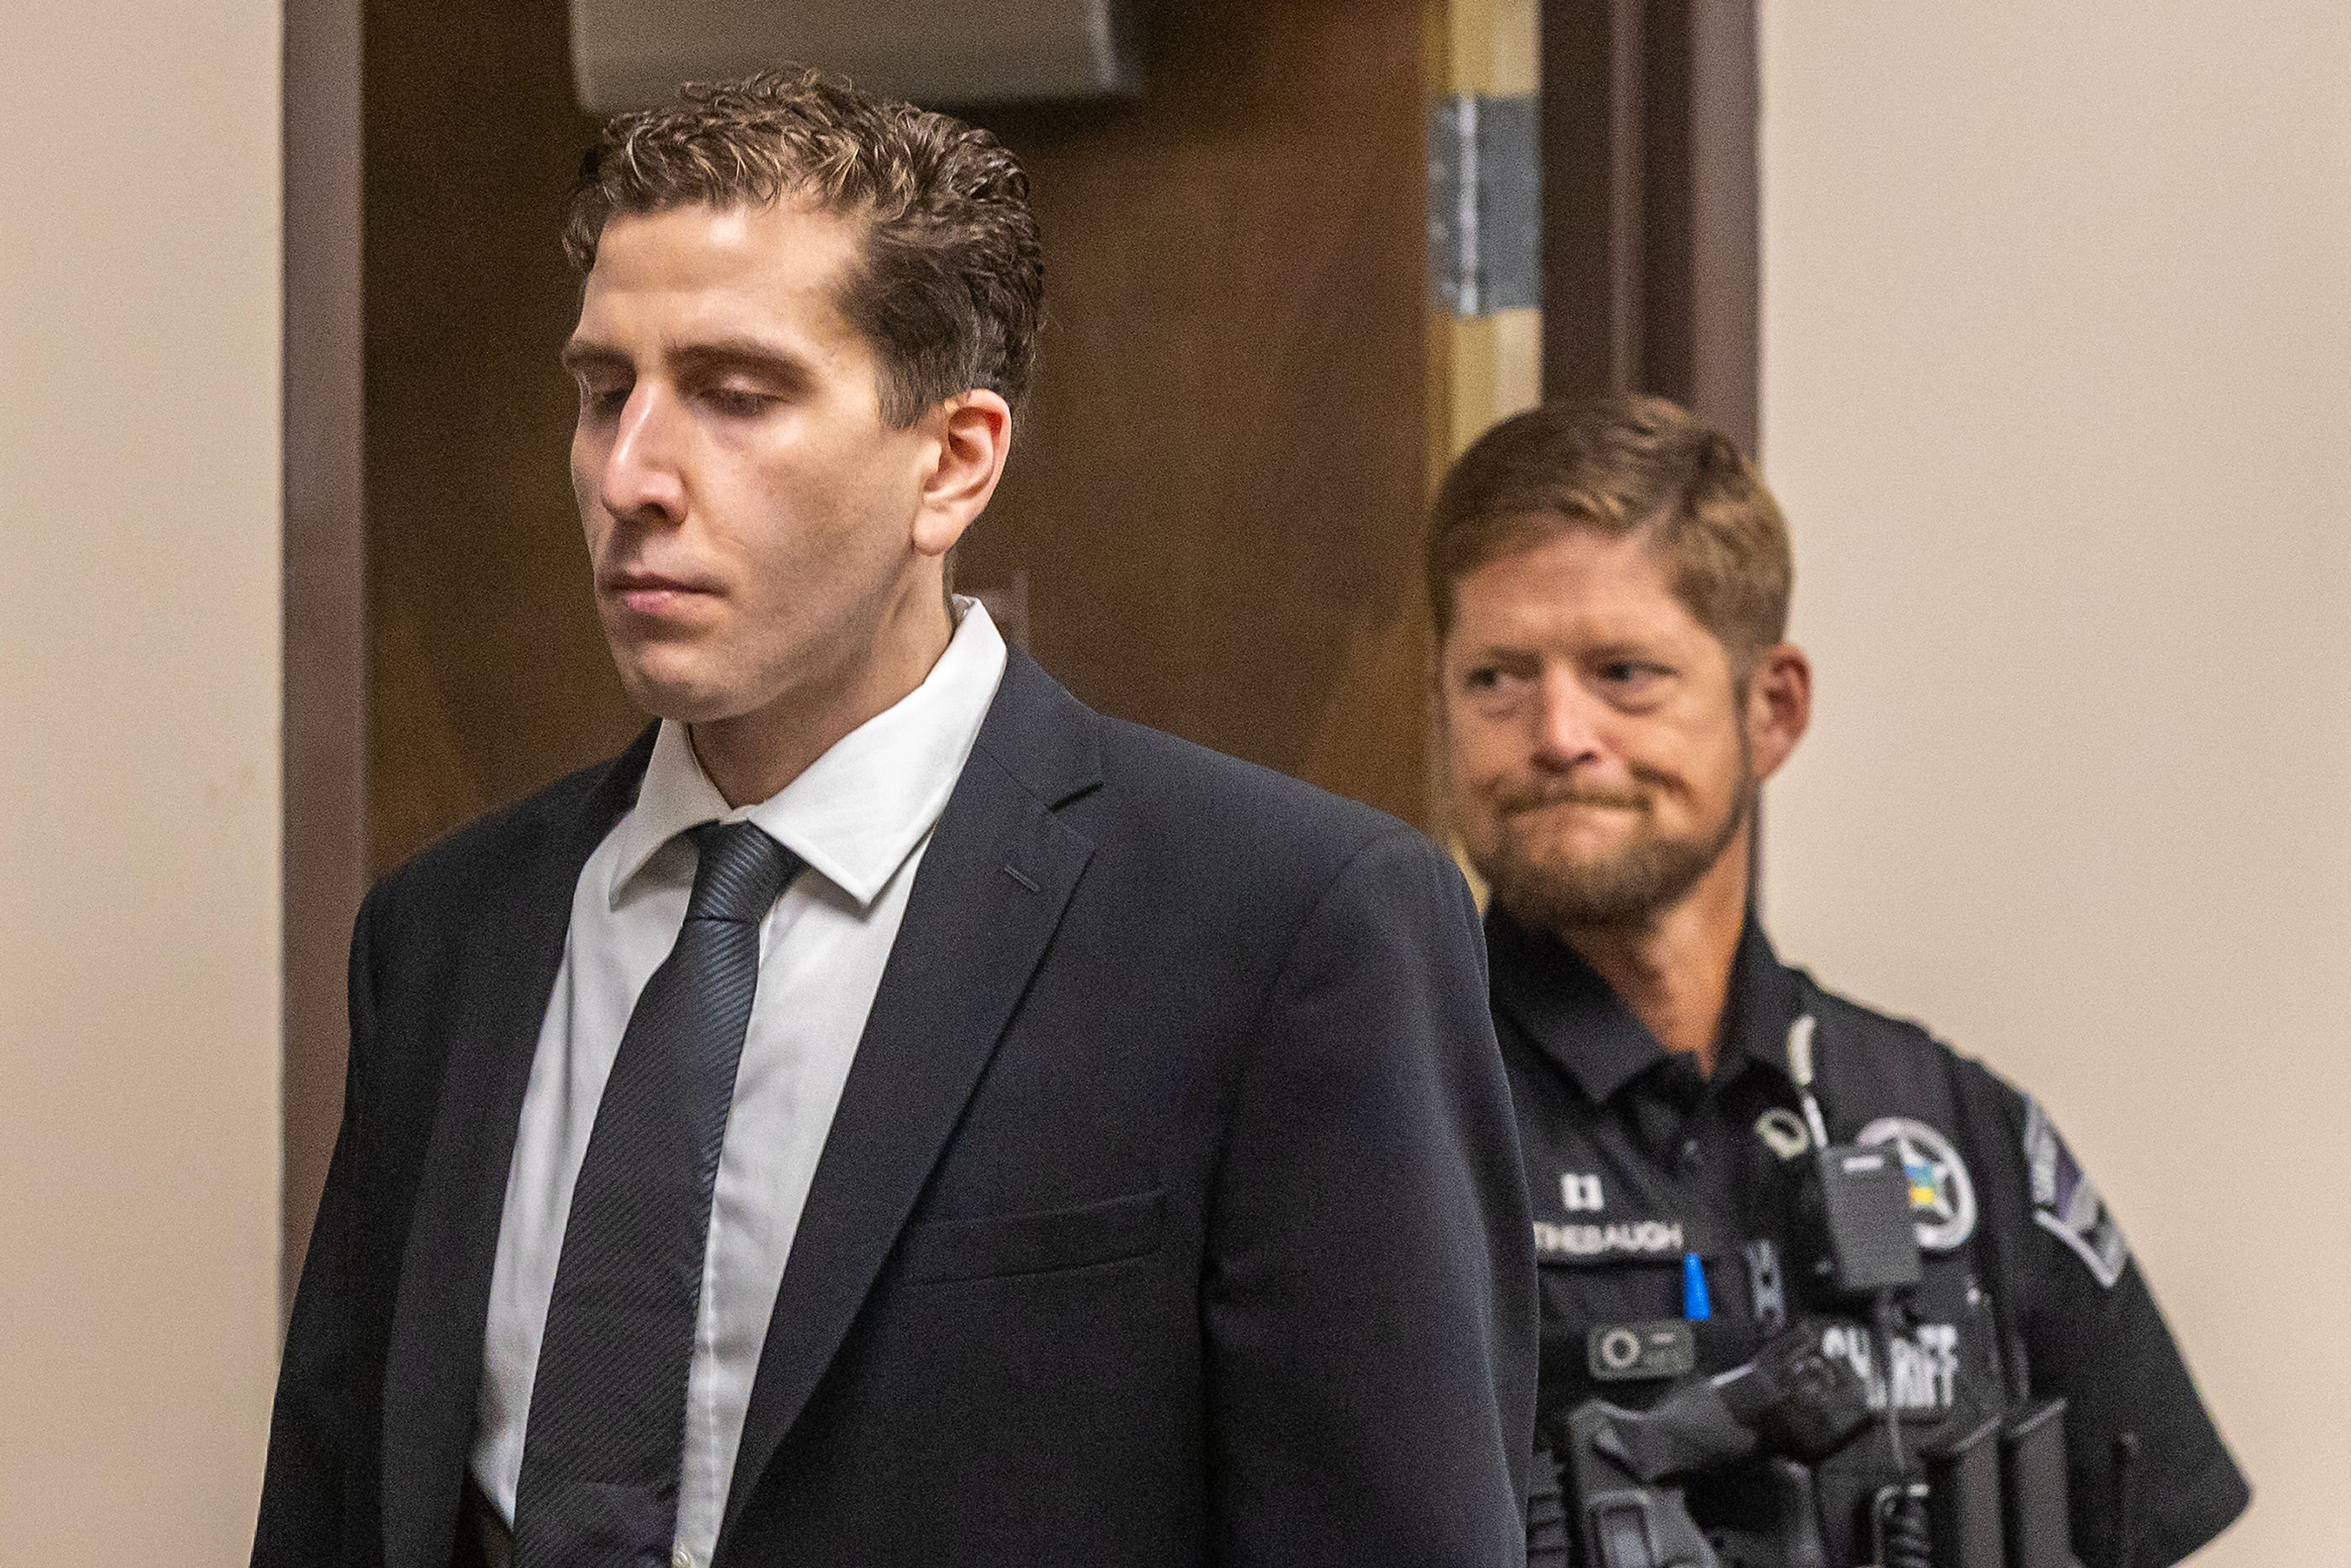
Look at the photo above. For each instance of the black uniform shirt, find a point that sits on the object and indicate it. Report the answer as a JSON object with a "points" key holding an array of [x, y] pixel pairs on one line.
{"points": [[1636, 1161]]}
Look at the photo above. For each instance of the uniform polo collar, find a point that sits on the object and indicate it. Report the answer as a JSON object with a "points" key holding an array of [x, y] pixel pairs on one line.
{"points": [[860, 808], [1561, 1002], [1766, 997], [1547, 989]]}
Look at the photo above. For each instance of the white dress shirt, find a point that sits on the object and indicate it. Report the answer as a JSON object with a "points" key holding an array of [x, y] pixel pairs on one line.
{"points": [[860, 817]]}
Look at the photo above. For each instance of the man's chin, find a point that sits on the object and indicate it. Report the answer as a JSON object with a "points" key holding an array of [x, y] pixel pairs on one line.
{"points": [[682, 696], [1624, 890]]}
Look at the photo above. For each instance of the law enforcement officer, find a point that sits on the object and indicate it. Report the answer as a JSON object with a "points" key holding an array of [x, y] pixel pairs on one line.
{"points": [[1610, 581]]}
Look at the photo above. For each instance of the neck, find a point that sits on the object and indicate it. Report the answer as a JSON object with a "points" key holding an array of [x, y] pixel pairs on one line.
{"points": [[751, 757], [1672, 971]]}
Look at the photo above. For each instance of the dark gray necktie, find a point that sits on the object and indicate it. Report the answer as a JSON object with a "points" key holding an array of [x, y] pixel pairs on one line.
{"points": [[606, 1425]]}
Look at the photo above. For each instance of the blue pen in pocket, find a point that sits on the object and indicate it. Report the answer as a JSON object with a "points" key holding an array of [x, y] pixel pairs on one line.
{"points": [[1697, 1306]]}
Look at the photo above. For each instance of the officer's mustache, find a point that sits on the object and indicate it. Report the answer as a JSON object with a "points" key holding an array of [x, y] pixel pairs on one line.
{"points": [[1512, 799]]}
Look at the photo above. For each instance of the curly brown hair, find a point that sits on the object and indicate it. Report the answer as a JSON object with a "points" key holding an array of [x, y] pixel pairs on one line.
{"points": [[950, 288], [1618, 466]]}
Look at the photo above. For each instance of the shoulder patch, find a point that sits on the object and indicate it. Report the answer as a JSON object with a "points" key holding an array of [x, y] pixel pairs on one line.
{"points": [[2064, 1202]]}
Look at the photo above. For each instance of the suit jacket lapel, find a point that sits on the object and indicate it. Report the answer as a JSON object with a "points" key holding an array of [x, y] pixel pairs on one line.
{"points": [[985, 901], [433, 1364]]}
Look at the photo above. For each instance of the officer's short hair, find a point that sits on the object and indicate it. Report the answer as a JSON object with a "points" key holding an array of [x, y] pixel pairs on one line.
{"points": [[1619, 465], [950, 288]]}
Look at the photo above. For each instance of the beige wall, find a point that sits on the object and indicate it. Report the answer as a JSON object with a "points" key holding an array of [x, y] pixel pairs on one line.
{"points": [[139, 935], [2057, 393]]}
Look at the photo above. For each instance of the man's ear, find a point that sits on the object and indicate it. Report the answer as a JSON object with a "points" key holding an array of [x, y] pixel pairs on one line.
{"points": [[973, 435], [1779, 705]]}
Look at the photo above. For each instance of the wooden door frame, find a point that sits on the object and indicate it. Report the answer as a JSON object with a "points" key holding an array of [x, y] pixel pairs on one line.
{"points": [[323, 866], [1651, 231]]}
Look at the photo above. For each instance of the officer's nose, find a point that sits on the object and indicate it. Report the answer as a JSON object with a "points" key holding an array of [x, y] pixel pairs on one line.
{"points": [[642, 476], [1566, 724]]}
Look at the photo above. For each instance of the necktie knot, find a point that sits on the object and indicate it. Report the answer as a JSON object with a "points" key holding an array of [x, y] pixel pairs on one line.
{"points": [[740, 874]]}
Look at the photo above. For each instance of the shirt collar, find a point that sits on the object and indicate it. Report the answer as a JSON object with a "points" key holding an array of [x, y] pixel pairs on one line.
{"points": [[1765, 1000], [1561, 1002], [859, 810]]}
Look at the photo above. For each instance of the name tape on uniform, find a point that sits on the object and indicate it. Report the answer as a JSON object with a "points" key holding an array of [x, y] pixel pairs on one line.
{"points": [[1622, 1238]]}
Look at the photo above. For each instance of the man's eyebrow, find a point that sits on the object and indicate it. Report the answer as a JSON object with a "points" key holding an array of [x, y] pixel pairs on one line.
{"points": [[745, 354], [1513, 653], [1503, 654], [579, 354]]}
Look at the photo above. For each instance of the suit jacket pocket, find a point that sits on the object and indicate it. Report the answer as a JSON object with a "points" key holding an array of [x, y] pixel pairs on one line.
{"points": [[1101, 1232]]}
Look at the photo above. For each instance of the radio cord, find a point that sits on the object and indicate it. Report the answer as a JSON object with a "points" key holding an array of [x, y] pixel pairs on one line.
{"points": [[1909, 1543], [1800, 1068]]}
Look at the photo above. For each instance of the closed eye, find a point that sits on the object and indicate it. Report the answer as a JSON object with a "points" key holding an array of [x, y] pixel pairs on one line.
{"points": [[739, 402], [604, 399]]}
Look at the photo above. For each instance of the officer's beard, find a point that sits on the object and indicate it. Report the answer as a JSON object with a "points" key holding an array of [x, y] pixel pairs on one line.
{"points": [[1623, 889]]}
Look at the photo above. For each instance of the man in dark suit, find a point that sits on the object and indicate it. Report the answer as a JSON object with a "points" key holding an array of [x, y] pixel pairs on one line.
{"points": [[891, 1115]]}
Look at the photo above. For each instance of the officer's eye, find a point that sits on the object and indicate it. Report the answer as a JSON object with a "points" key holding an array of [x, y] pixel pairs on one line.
{"points": [[1630, 680], [1495, 684]]}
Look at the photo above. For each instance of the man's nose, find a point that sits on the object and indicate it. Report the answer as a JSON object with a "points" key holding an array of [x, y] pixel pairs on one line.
{"points": [[642, 477], [1566, 723]]}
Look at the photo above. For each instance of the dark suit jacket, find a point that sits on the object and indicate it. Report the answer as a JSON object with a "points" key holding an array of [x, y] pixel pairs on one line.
{"points": [[1172, 1213]]}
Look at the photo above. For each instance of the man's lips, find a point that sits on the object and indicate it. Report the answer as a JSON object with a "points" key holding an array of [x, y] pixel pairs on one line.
{"points": [[1542, 801], [650, 594]]}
